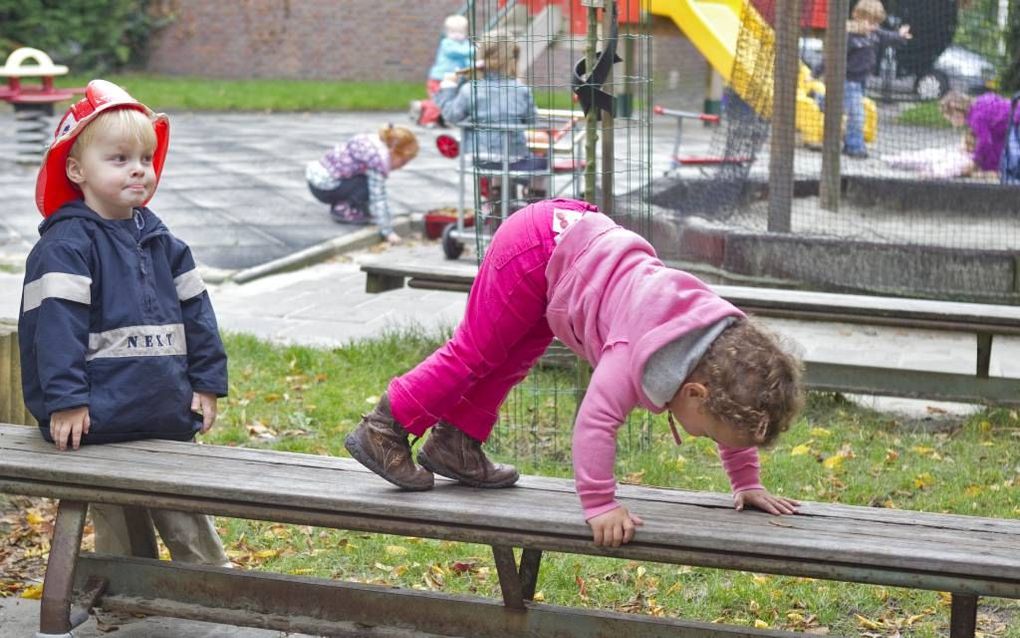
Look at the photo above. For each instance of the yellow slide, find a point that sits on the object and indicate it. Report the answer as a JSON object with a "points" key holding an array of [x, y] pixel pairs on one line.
{"points": [[713, 27]]}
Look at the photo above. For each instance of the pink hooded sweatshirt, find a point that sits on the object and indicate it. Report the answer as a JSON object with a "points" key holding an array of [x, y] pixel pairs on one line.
{"points": [[614, 303]]}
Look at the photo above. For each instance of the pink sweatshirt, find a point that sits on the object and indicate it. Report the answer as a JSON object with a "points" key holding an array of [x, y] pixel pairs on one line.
{"points": [[615, 304]]}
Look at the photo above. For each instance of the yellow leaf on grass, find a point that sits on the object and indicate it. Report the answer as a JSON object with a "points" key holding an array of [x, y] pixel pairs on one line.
{"points": [[867, 623], [833, 462], [924, 480], [973, 490], [803, 448], [760, 624], [396, 550], [923, 451], [34, 518], [822, 432], [32, 592], [267, 553]]}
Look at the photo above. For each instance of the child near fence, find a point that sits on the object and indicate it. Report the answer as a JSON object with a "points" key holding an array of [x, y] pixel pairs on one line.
{"points": [[657, 337], [863, 41], [453, 55]]}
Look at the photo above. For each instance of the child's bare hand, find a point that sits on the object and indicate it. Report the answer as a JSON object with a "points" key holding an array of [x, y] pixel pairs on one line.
{"points": [[204, 403], [614, 528], [765, 501], [73, 423], [905, 32]]}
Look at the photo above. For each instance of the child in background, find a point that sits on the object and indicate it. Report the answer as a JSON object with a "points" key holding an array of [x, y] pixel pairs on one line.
{"points": [[657, 338], [865, 37], [117, 334], [987, 120], [494, 100], [351, 178], [453, 54]]}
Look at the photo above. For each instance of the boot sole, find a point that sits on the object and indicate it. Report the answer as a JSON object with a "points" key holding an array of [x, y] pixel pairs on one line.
{"points": [[423, 460], [354, 448]]}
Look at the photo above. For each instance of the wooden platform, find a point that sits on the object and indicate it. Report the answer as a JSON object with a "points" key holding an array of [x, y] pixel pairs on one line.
{"points": [[969, 556]]}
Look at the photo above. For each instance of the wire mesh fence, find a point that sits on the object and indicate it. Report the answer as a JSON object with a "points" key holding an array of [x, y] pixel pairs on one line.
{"points": [[921, 209], [525, 136]]}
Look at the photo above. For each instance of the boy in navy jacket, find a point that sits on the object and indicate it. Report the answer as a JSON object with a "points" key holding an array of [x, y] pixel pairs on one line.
{"points": [[118, 337]]}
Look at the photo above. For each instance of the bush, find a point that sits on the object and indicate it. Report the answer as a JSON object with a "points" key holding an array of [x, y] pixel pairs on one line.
{"points": [[89, 36]]}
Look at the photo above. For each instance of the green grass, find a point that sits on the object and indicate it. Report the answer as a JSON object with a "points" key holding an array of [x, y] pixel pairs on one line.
{"points": [[163, 92], [927, 114], [306, 400]]}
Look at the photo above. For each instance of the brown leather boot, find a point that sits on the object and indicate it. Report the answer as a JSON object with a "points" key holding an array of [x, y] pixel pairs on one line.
{"points": [[453, 454], [380, 444]]}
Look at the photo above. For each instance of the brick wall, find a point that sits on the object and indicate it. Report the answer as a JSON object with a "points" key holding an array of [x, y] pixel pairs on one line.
{"points": [[320, 39], [368, 40]]}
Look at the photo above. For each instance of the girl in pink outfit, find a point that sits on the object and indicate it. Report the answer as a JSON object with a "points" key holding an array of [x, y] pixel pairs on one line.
{"points": [[656, 337]]}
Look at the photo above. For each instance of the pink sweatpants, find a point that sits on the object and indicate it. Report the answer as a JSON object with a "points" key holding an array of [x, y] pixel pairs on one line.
{"points": [[502, 335]]}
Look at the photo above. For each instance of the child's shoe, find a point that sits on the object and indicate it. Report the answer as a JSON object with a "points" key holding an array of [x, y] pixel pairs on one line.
{"points": [[380, 444], [414, 112], [453, 454]]}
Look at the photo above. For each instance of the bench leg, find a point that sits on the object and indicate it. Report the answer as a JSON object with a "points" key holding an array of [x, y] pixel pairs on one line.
{"points": [[963, 622], [55, 614], [517, 585], [381, 283]]}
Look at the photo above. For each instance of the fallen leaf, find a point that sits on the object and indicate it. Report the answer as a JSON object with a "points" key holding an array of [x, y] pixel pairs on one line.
{"points": [[803, 448]]}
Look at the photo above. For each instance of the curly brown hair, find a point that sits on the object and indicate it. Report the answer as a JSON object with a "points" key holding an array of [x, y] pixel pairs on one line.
{"points": [[753, 383]]}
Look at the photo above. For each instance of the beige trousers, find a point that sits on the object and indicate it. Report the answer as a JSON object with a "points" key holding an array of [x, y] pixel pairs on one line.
{"points": [[131, 531]]}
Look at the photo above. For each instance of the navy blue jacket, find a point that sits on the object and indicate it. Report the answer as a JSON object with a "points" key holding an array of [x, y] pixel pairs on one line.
{"points": [[114, 316], [862, 52]]}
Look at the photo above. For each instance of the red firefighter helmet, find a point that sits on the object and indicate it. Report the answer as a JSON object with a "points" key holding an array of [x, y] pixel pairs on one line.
{"points": [[52, 187]]}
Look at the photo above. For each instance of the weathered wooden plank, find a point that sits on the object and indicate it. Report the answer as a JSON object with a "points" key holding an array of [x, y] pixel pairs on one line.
{"points": [[298, 604], [295, 460], [830, 558], [978, 582], [322, 481]]}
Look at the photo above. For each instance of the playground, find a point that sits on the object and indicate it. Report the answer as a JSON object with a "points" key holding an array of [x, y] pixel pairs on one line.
{"points": [[891, 274]]}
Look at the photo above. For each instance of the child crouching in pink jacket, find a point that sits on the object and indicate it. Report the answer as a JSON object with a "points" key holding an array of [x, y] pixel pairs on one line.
{"points": [[656, 337]]}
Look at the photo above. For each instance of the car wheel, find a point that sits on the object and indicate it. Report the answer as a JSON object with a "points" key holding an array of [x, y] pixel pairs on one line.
{"points": [[932, 85]]}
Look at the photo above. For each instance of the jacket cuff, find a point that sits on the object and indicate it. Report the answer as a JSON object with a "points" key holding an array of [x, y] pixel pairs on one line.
{"points": [[591, 511]]}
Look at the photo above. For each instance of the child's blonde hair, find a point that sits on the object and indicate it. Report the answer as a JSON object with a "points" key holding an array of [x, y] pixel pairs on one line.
{"points": [[753, 383], [869, 11], [498, 53], [455, 25], [120, 123], [400, 140], [955, 102]]}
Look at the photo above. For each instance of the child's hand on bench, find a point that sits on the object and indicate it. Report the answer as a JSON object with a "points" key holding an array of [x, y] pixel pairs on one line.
{"points": [[72, 423], [765, 501], [614, 528]]}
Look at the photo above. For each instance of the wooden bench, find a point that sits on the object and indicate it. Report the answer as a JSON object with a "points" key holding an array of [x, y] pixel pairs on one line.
{"points": [[968, 556], [984, 321]]}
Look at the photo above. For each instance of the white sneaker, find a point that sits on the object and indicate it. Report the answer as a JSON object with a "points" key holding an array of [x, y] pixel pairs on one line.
{"points": [[415, 111]]}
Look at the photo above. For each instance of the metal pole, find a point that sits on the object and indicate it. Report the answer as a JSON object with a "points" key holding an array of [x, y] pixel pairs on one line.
{"points": [[607, 120], [835, 73], [784, 115], [591, 118]]}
